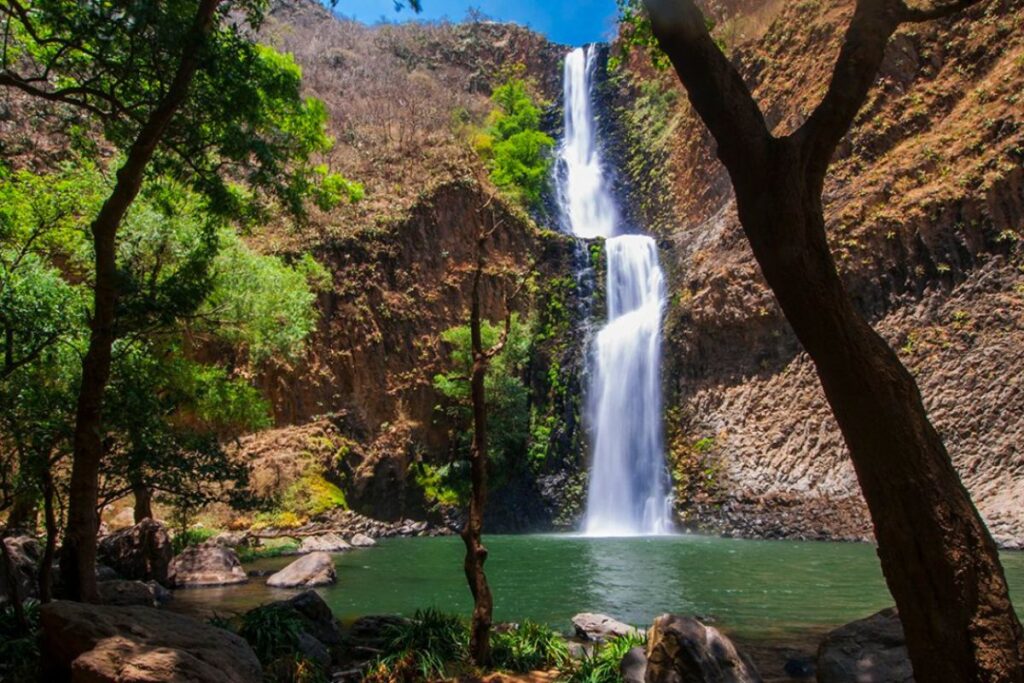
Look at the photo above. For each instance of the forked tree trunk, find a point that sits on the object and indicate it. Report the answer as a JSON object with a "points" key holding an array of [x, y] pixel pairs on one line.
{"points": [[78, 554], [939, 560]]}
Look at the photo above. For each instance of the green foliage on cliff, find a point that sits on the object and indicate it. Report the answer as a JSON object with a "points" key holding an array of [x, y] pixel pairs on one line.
{"points": [[508, 413], [517, 151]]}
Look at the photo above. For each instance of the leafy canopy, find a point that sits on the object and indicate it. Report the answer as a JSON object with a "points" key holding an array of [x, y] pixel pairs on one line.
{"points": [[245, 138]]}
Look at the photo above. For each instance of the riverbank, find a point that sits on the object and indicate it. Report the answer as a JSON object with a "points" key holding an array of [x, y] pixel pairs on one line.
{"points": [[776, 599]]}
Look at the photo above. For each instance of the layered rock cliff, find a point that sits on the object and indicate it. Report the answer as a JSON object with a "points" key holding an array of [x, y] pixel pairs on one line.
{"points": [[925, 214]]}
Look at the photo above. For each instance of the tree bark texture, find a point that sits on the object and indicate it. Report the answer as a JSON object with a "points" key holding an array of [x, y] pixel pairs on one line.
{"points": [[78, 554], [939, 560], [476, 553]]}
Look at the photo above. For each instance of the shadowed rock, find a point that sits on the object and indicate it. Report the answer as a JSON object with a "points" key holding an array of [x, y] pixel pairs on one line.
{"points": [[141, 552], [871, 650]]}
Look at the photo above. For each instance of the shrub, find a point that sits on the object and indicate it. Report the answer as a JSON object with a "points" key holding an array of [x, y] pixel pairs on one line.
{"points": [[272, 632], [529, 647], [19, 650], [424, 648], [189, 537]]}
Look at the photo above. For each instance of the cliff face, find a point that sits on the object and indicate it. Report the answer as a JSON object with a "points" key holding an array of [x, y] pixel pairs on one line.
{"points": [[403, 101], [925, 213]]}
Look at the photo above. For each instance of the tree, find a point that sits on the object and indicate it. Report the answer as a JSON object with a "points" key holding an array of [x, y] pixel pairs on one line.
{"points": [[476, 552], [939, 559], [181, 88]]}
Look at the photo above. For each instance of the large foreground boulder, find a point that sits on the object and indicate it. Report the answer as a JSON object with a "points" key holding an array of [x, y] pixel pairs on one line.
{"points": [[140, 553], [315, 569], [683, 650], [871, 650], [25, 555], [206, 566], [600, 627], [106, 644]]}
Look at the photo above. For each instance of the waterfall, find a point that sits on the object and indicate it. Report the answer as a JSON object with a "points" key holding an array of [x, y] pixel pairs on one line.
{"points": [[628, 492]]}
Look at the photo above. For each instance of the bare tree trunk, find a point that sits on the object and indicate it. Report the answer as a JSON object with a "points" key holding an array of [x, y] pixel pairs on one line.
{"points": [[476, 553], [143, 501], [938, 558], [78, 554]]}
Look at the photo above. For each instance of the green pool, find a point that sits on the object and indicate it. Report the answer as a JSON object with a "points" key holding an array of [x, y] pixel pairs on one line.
{"points": [[768, 591]]}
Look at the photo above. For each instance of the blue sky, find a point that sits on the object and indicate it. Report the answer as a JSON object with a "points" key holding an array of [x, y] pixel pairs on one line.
{"points": [[573, 22]]}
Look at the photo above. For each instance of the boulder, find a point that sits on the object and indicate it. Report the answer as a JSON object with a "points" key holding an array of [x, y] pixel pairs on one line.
{"points": [[315, 569], [124, 593], [25, 555], [633, 667], [141, 552], [324, 543], [317, 618], [872, 649], [362, 541], [206, 566], [683, 650], [108, 644], [600, 627]]}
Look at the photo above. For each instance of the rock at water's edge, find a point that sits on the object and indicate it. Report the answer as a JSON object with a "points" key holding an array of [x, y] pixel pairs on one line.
{"points": [[107, 644], [206, 566], [315, 569], [600, 627], [683, 650], [872, 649], [326, 543], [362, 541]]}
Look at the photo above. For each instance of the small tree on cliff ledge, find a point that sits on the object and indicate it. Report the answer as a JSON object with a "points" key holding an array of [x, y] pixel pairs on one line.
{"points": [[939, 560]]}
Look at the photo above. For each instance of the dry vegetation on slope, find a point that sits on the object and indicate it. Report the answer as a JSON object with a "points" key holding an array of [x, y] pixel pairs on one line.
{"points": [[925, 211]]}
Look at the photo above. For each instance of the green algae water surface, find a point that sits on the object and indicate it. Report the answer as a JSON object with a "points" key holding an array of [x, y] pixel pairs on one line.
{"points": [[756, 590]]}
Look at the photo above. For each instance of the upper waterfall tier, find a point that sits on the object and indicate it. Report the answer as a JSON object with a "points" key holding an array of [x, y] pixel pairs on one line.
{"points": [[588, 207]]}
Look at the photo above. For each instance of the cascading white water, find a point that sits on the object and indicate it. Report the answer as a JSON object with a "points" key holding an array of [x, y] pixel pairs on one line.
{"points": [[628, 483]]}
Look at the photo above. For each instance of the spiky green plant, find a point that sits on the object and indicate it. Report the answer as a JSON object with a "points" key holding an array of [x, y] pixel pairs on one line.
{"points": [[528, 647], [422, 648]]}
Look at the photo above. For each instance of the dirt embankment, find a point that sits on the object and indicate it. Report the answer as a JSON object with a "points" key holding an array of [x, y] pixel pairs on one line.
{"points": [[925, 215]]}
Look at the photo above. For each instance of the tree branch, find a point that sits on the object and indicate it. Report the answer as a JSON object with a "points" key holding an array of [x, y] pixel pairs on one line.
{"points": [[715, 88], [940, 10]]}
